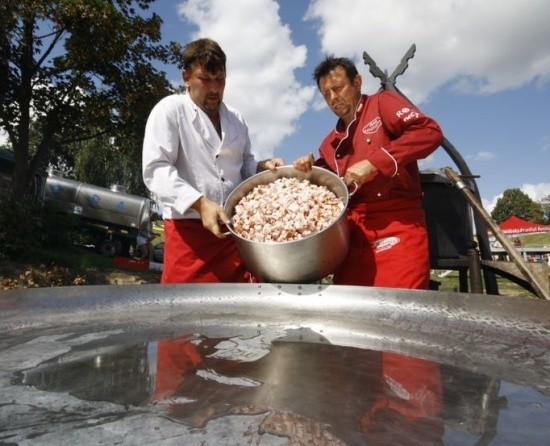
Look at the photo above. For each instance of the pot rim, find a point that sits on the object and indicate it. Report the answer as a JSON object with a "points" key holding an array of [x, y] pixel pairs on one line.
{"points": [[282, 173]]}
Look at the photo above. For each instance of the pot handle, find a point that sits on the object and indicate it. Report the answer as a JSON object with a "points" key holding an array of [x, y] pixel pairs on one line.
{"points": [[226, 233], [355, 187]]}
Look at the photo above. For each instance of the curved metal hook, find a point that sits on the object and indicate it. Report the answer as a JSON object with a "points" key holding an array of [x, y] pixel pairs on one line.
{"points": [[355, 187]]}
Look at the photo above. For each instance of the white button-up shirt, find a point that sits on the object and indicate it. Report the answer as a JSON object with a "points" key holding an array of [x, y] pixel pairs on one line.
{"points": [[184, 158]]}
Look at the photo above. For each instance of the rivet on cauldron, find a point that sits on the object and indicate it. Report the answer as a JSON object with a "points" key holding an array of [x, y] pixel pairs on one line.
{"points": [[368, 140], [379, 194]]}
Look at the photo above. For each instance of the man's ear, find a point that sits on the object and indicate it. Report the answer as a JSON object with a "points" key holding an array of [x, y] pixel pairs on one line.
{"points": [[358, 81]]}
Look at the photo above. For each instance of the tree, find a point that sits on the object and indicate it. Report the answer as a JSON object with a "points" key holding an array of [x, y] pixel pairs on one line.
{"points": [[102, 163], [515, 202], [545, 206], [75, 69]]}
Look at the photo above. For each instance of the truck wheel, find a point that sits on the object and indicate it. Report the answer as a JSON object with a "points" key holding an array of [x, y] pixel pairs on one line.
{"points": [[123, 245], [106, 248]]}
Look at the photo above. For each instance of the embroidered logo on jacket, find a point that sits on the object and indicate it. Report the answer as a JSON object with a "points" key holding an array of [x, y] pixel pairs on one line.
{"points": [[383, 244], [372, 126], [402, 112], [407, 114]]}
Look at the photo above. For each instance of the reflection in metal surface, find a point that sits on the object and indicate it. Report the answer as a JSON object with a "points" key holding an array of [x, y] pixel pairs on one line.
{"points": [[271, 364], [306, 391]]}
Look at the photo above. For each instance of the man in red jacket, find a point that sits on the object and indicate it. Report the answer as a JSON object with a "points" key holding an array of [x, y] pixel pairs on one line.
{"points": [[375, 145]]}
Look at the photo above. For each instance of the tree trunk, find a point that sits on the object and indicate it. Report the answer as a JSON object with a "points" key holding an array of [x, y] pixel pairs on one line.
{"points": [[20, 172]]}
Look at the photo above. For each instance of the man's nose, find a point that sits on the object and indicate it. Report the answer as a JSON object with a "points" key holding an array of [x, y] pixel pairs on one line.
{"points": [[216, 85], [331, 98]]}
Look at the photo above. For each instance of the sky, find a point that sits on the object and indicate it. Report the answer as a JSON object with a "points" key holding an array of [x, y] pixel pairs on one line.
{"points": [[481, 69]]}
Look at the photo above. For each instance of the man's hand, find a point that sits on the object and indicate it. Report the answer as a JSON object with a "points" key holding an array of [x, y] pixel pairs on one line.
{"points": [[271, 164], [360, 173], [304, 163], [211, 215]]}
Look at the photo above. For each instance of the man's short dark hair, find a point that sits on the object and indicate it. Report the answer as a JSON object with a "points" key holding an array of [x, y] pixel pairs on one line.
{"points": [[330, 63], [206, 52]]}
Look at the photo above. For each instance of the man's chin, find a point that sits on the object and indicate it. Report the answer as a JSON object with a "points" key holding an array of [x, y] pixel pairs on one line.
{"points": [[211, 106]]}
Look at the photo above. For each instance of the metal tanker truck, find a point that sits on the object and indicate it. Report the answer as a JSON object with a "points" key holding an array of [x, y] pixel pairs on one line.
{"points": [[111, 216]]}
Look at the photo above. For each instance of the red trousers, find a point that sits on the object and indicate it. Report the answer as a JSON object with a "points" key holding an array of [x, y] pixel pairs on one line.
{"points": [[387, 249], [192, 254], [175, 357], [411, 397]]}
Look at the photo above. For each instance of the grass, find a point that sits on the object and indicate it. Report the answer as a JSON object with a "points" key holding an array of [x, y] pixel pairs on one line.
{"points": [[534, 239], [450, 283]]}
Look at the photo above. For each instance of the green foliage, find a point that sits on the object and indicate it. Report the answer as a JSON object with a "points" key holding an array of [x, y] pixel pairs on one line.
{"points": [[97, 163], [515, 202], [73, 69], [103, 163], [545, 206], [29, 225]]}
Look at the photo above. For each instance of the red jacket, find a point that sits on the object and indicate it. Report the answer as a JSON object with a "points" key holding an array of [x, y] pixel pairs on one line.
{"points": [[392, 134]]}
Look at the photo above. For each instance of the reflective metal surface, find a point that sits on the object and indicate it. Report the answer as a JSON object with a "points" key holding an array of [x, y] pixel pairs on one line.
{"points": [[271, 364], [300, 261], [107, 206]]}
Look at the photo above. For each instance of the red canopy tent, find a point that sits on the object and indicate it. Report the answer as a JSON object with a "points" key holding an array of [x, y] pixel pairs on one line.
{"points": [[517, 226]]}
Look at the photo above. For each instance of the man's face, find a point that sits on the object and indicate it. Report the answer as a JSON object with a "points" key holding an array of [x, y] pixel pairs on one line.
{"points": [[204, 87], [341, 94]]}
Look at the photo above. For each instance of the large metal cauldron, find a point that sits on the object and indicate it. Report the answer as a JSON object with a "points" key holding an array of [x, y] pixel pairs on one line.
{"points": [[274, 364], [301, 261]]}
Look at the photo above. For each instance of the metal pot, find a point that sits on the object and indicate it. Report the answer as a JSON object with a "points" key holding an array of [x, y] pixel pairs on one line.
{"points": [[300, 261]]}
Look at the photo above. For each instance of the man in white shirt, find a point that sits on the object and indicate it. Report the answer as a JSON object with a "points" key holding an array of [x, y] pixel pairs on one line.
{"points": [[196, 150]]}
